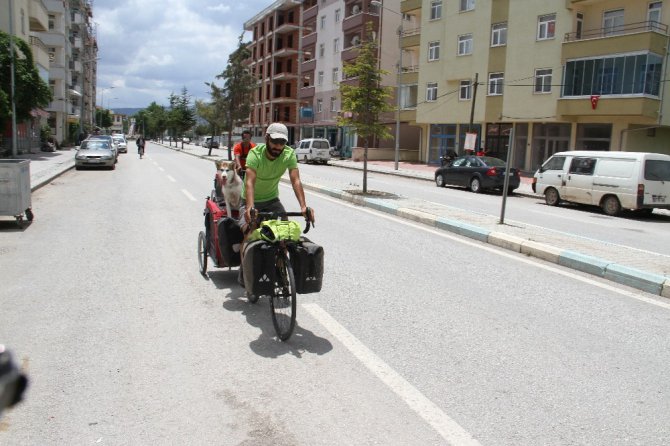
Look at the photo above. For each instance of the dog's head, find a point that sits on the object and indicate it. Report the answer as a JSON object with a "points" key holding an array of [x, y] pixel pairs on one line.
{"points": [[221, 165]]}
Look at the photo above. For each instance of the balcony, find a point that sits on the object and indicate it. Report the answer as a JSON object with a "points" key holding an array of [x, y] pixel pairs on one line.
{"points": [[286, 28], [310, 13], [285, 52], [38, 16], [640, 36], [306, 92], [409, 5], [309, 65], [309, 40], [357, 22], [641, 106], [411, 38]]}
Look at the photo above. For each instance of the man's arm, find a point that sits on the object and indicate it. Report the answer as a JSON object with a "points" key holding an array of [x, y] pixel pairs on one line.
{"points": [[294, 175], [249, 185]]}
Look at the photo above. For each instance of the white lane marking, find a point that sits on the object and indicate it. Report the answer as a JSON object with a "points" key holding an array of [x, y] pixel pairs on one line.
{"points": [[155, 163], [499, 251], [188, 195], [161, 169], [425, 408], [171, 179]]}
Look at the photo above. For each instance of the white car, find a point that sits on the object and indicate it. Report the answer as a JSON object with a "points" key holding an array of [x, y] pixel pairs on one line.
{"points": [[313, 150], [121, 143]]}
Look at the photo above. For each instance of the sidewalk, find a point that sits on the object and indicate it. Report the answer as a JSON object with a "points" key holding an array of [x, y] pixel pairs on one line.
{"points": [[638, 269]]}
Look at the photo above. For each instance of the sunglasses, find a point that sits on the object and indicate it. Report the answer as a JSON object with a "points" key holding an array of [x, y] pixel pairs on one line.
{"points": [[281, 141]]}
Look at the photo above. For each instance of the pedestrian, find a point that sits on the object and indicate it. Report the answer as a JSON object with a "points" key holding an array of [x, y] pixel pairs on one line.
{"points": [[241, 150]]}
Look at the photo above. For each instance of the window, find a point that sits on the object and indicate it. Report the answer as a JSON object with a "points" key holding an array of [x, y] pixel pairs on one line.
{"points": [[582, 166], [499, 34], [465, 44], [52, 22], [322, 50], [433, 51], [408, 96], [322, 22], [333, 104], [319, 105], [465, 91], [336, 45], [320, 78], [613, 22], [337, 16], [467, 5], [543, 80], [495, 84], [654, 13], [636, 74], [336, 75], [554, 163], [431, 91], [546, 27], [580, 25], [435, 9]]}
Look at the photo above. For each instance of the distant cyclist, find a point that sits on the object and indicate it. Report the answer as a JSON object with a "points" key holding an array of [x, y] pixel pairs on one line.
{"points": [[241, 151], [140, 145], [266, 163]]}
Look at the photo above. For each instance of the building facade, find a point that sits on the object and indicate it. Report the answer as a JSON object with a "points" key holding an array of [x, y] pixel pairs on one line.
{"points": [[72, 49], [28, 19], [297, 53], [554, 74]]}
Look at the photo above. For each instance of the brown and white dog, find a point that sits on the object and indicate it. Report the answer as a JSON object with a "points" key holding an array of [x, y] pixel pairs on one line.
{"points": [[230, 184]]}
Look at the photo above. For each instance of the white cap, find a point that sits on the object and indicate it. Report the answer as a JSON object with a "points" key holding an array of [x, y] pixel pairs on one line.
{"points": [[277, 130]]}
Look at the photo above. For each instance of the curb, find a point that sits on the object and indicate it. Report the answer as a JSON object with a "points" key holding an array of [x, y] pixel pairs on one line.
{"points": [[49, 178]]}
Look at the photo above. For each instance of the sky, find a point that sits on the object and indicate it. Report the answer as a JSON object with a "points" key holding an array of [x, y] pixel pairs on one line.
{"points": [[148, 49]]}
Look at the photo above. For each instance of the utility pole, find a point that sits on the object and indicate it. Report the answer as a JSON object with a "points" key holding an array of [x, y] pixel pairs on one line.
{"points": [[474, 99], [15, 148]]}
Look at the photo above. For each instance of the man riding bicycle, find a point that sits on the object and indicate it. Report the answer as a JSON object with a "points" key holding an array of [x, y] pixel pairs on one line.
{"points": [[266, 163]]}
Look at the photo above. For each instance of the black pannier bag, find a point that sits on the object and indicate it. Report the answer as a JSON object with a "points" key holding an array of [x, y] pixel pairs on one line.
{"points": [[230, 239], [259, 268], [307, 262]]}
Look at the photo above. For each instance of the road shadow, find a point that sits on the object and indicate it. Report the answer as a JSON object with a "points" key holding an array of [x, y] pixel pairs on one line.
{"points": [[267, 344], [14, 225]]}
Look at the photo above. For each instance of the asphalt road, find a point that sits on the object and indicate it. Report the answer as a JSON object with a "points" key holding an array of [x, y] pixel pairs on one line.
{"points": [[418, 337], [648, 233]]}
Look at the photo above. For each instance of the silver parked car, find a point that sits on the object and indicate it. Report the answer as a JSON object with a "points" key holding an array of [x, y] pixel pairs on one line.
{"points": [[113, 145], [95, 153]]}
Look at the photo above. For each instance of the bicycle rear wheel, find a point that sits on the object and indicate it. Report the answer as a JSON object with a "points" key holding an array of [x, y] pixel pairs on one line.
{"points": [[283, 300], [202, 253]]}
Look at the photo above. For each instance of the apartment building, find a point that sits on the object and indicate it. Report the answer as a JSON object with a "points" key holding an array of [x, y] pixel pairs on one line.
{"points": [[25, 19], [298, 51], [557, 74], [72, 50]]}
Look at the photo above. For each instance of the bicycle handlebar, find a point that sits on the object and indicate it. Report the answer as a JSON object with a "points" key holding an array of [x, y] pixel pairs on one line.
{"points": [[258, 216]]}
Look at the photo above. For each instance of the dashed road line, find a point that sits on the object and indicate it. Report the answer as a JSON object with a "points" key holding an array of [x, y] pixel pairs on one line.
{"points": [[188, 195], [171, 178]]}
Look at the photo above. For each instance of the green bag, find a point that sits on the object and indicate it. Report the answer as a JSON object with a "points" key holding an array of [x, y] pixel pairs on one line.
{"points": [[276, 230]]}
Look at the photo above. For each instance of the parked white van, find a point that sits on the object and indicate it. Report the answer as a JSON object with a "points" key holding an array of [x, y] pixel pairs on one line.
{"points": [[313, 150], [612, 180]]}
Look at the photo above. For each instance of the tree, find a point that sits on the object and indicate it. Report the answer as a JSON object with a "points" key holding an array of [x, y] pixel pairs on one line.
{"points": [[181, 116], [238, 87], [103, 117], [366, 99], [31, 91], [216, 112], [151, 121]]}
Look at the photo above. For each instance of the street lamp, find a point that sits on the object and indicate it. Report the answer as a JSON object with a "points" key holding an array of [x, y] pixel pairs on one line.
{"points": [[379, 4], [102, 103]]}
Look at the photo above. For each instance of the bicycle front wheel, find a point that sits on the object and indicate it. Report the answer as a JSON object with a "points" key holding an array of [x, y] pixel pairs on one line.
{"points": [[283, 300]]}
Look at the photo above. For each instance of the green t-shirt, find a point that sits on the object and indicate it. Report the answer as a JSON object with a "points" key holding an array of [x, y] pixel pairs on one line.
{"points": [[268, 173]]}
